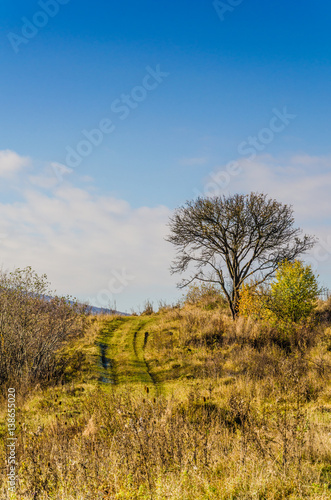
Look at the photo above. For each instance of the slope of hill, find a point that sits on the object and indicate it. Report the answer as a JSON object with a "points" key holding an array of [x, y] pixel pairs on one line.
{"points": [[181, 404]]}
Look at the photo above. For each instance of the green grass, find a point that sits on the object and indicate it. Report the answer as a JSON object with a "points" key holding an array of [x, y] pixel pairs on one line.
{"points": [[125, 340]]}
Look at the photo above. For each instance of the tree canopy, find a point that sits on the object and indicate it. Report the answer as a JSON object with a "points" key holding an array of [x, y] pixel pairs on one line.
{"points": [[230, 239]]}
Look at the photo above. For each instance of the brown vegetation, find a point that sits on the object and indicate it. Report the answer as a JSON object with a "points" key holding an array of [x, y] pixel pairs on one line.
{"points": [[231, 411], [33, 327]]}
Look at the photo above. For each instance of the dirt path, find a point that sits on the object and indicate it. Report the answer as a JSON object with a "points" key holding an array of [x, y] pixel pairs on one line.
{"points": [[123, 345]]}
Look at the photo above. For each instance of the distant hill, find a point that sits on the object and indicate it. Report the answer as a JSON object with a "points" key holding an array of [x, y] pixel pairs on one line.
{"points": [[103, 310], [93, 309]]}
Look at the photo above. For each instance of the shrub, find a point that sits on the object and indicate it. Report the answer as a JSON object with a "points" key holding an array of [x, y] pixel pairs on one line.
{"points": [[33, 327], [290, 298], [148, 308], [323, 311], [254, 300], [294, 293], [206, 295], [282, 312]]}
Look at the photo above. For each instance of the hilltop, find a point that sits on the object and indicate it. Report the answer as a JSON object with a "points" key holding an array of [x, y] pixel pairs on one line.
{"points": [[183, 403]]}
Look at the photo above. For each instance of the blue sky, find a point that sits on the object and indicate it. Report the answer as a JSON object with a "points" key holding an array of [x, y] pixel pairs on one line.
{"points": [[223, 83]]}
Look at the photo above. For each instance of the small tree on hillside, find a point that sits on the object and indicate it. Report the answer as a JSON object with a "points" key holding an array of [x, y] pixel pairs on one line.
{"points": [[231, 239], [294, 292]]}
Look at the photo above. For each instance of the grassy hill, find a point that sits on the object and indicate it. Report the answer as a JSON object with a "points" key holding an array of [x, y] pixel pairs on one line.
{"points": [[181, 404]]}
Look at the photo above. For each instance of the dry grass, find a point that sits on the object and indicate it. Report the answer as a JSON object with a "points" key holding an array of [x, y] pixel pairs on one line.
{"points": [[234, 414]]}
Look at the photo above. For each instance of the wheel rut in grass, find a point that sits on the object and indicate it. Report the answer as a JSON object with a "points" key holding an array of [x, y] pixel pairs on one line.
{"points": [[146, 335], [109, 375], [107, 362], [135, 344], [145, 339], [139, 343]]}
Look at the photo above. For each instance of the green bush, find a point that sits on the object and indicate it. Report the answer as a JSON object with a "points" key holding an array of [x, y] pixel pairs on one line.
{"points": [[294, 292], [290, 298]]}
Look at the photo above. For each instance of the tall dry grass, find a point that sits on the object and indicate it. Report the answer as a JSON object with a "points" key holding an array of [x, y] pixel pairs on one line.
{"points": [[248, 416], [255, 438]]}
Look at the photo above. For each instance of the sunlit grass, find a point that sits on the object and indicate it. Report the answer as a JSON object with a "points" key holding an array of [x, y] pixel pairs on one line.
{"points": [[197, 411]]}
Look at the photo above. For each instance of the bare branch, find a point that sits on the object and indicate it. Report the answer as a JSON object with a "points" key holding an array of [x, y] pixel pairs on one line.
{"points": [[246, 235]]}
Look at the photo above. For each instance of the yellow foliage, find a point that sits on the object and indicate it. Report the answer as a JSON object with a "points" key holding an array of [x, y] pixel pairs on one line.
{"points": [[253, 302]]}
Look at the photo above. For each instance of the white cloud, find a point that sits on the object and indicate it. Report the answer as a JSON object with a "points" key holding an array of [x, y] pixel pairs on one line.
{"points": [[302, 181], [11, 163], [311, 161], [79, 239]]}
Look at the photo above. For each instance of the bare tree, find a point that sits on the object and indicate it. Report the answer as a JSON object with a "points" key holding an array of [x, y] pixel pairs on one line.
{"points": [[231, 239]]}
